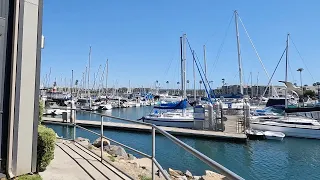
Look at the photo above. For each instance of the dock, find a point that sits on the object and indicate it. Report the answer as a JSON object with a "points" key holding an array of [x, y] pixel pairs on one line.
{"points": [[227, 136]]}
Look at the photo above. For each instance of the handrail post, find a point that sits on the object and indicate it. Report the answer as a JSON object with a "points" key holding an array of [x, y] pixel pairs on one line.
{"points": [[74, 126], [101, 140], [153, 151]]}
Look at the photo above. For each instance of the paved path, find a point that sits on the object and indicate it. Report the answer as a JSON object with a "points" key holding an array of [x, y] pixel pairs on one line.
{"points": [[73, 162]]}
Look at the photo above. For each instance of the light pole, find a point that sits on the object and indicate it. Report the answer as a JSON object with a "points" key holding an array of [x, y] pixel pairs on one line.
{"points": [[188, 84], [223, 83], [300, 71], [168, 86]]}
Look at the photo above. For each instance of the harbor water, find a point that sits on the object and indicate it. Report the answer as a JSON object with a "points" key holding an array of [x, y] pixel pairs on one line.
{"points": [[293, 158]]}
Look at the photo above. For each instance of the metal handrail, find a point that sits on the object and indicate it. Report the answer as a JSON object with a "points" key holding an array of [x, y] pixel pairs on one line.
{"points": [[213, 164]]}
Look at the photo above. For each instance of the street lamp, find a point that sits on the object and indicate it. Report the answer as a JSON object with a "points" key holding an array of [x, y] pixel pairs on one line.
{"points": [[300, 71]]}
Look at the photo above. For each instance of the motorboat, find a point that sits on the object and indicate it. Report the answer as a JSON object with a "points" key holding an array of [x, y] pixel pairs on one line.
{"points": [[255, 134], [105, 106], [272, 135], [290, 125], [52, 108]]}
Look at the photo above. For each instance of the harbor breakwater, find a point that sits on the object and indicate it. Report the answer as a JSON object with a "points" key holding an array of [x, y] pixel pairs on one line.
{"points": [[137, 168]]}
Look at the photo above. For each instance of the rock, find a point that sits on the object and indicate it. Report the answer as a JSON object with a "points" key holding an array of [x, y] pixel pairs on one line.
{"points": [[136, 165], [83, 141], [188, 174], [210, 175], [175, 173], [181, 178], [131, 157], [97, 142], [116, 150], [196, 177]]}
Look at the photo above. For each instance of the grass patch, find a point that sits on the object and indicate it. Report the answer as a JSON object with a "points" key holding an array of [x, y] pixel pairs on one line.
{"points": [[90, 147], [113, 159], [29, 177], [144, 177]]}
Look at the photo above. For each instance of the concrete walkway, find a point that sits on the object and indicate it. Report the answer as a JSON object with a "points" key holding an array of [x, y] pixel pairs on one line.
{"points": [[73, 162]]}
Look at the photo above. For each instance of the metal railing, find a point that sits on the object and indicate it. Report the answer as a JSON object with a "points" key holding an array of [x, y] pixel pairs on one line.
{"points": [[213, 164]]}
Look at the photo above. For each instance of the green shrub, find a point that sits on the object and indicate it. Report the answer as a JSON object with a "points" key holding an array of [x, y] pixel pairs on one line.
{"points": [[113, 159], [41, 110], [29, 177], [46, 144], [144, 177]]}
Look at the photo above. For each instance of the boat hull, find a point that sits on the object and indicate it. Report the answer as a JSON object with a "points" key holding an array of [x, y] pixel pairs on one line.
{"points": [[291, 131], [181, 123]]}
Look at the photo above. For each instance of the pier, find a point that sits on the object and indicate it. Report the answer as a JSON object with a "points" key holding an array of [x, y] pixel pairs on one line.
{"points": [[229, 135]]}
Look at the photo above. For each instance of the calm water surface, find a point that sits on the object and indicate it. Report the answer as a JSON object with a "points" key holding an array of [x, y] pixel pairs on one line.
{"points": [[292, 158]]}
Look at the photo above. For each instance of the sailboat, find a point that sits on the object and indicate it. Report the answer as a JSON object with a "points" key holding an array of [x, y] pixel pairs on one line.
{"points": [[290, 125], [174, 114]]}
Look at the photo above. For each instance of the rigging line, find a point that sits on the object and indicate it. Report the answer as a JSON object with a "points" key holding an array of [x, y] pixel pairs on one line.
{"points": [[301, 58], [204, 84], [221, 45], [264, 68], [210, 89], [199, 65], [168, 68], [291, 72], [215, 32], [274, 71], [193, 53]]}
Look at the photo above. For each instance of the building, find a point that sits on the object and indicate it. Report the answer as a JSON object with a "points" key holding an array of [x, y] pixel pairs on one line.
{"points": [[254, 91], [20, 56]]}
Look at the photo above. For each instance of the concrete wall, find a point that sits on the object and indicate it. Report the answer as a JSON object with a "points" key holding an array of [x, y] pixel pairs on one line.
{"points": [[24, 96]]}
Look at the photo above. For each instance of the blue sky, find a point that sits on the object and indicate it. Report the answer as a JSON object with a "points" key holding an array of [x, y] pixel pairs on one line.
{"points": [[141, 39]]}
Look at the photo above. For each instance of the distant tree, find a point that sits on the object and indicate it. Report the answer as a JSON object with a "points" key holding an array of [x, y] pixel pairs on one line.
{"points": [[306, 85], [316, 84], [309, 93], [295, 84]]}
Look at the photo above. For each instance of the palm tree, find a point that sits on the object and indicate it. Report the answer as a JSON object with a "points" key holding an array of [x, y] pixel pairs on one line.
{"points": [[167, 85], [178, 86]]}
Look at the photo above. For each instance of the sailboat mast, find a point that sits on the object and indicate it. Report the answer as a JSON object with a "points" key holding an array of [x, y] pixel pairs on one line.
{"points": [[183, 69], [194, 78], [107, 68], [286, 73], [239, 52], [89, 77], [257, 84], [205, 61], [251, 85], [183, 66]]}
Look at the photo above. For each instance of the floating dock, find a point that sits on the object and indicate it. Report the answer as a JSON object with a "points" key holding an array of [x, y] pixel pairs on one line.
{"points": [[236, 137]]}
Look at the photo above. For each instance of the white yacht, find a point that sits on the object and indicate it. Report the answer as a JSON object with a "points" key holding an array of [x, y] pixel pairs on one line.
{"points": [[294, 126], [105, 106]]}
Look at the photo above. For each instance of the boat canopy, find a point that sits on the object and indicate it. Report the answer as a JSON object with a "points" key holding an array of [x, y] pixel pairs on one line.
{"points": [[174, 105]]}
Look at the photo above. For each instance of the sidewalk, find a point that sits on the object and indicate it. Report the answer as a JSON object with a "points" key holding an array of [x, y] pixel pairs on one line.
{"points": [[72, 162]]}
